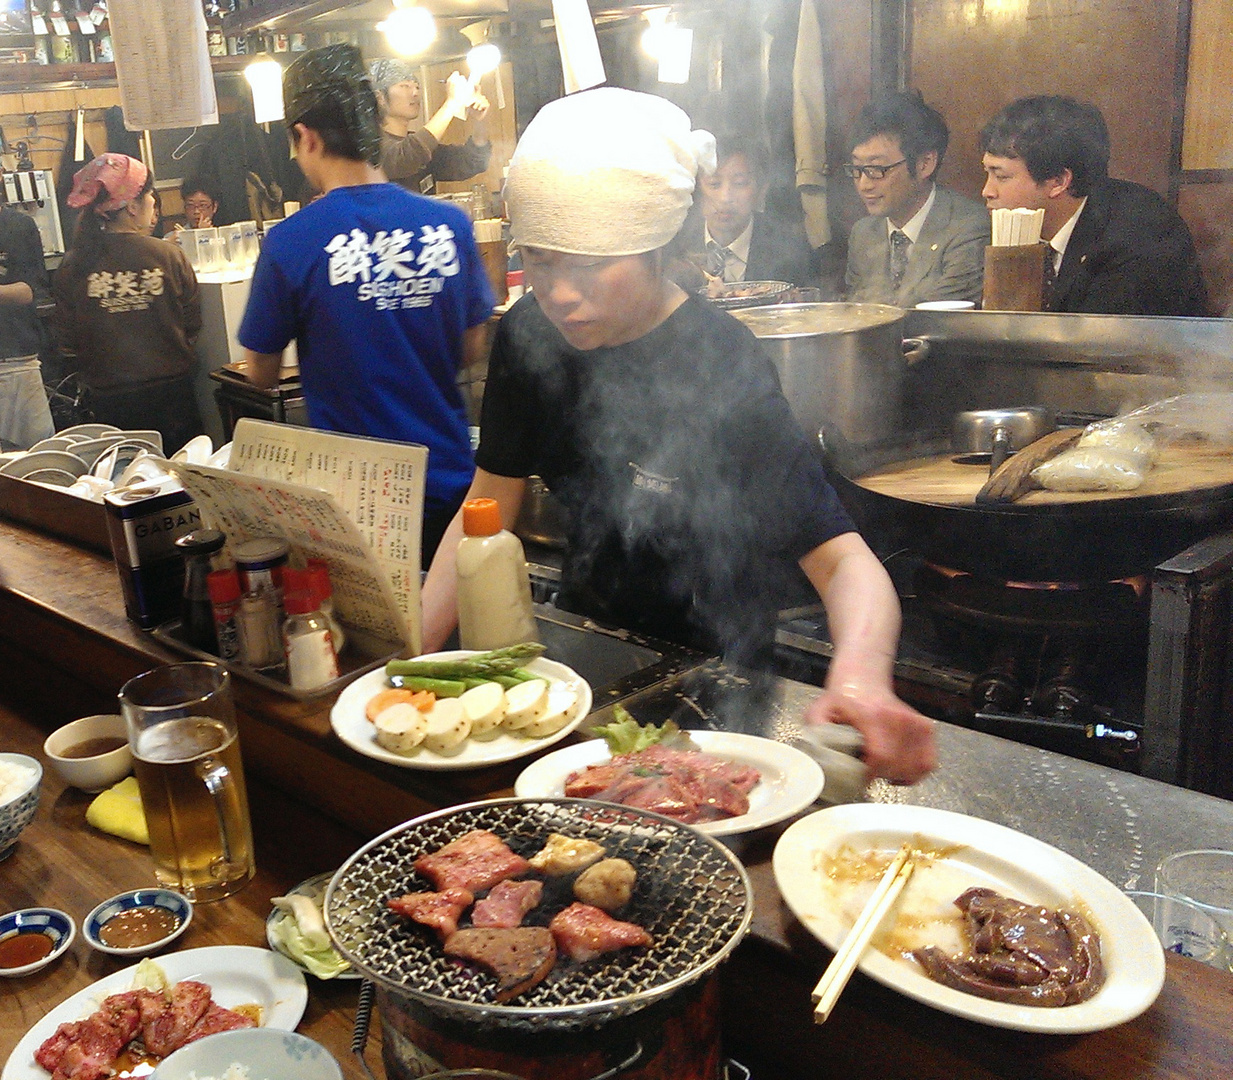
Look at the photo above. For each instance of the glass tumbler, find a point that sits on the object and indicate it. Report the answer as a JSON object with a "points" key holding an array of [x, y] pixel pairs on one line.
{"points": [[186, 755], [1185, 928], [1204, 877]]}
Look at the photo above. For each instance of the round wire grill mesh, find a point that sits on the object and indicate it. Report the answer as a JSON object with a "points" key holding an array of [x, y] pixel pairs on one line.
{"points": [[692, 895]]}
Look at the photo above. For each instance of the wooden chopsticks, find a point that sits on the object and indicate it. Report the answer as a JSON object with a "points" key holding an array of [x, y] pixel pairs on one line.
{"points": [[840, 969]]}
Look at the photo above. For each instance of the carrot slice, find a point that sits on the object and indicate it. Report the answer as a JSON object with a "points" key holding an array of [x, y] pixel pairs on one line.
{"points": [[423, 700], [382, 701]]}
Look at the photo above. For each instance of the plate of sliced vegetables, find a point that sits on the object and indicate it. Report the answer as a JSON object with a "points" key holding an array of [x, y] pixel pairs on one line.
{"points": [[295, 927], [461, 709]]}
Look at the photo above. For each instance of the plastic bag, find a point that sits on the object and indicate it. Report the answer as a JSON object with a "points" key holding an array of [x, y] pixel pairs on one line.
{"points": [[1092, 468]]}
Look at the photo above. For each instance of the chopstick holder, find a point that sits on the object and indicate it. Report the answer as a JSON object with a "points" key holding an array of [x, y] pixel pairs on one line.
{"points": [[841, 967]]}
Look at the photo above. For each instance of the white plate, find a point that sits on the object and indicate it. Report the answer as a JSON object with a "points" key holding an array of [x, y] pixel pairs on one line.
{"points": [[354, 728], [977, 853], [314, 889], [791, 780], [236, 975]]}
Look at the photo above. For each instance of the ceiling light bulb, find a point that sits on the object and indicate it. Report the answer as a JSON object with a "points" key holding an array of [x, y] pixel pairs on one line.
{"points": [[266, 79], [409, 30]]}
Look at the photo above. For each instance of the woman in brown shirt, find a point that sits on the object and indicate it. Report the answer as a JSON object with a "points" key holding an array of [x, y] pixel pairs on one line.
{"points": [[127, 306]]}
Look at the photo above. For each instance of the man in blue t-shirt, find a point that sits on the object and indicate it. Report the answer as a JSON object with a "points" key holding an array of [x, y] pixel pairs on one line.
{"points": [[383, 291]]}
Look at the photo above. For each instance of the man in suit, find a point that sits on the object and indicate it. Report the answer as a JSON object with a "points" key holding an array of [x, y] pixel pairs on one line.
{"points": [[1118, 247], [726, 238], [921, 241]]}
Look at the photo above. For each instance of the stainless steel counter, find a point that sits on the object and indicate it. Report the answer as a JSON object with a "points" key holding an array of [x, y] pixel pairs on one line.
{"points": [[1119, 824]]}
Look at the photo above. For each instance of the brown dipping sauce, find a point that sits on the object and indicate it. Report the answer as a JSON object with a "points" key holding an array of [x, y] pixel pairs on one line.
{"points": [[24, 947], [105, 744], [137, 926]]}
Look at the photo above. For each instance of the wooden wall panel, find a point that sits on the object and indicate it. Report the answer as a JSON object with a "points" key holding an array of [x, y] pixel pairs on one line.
{"points": [[1208, 210], [971, 57], [1208, 137]]}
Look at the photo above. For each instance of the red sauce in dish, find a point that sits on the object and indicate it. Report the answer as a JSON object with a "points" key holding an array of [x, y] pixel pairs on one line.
{"points": [[24, 947]]}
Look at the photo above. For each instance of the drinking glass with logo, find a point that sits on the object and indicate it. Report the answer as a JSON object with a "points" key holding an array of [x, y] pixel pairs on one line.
{"points": [[186, 754]]}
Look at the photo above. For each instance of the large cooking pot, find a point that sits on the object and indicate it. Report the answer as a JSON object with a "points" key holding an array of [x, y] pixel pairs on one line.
{"points": [[1096, 539], [842, 366], [644, 1014]]}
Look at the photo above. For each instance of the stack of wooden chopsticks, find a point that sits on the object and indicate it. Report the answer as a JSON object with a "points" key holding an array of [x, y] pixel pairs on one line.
{"points": [[840, 969]]}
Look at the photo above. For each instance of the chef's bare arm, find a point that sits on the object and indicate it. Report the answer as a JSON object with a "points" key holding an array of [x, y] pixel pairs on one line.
{"points": [[862, 611], [16, 293], [262, 368], [440, 594]]}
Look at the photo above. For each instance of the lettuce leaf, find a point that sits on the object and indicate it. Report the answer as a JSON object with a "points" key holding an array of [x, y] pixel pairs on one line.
{"points": [[325, 962], [626, 736]]}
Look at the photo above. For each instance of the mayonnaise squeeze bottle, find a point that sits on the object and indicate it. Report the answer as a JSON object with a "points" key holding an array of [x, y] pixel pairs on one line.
{"points": [[494, 591]]}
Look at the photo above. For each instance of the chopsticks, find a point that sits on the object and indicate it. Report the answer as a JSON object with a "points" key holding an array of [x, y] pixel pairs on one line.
{"points": [[840, 969]]}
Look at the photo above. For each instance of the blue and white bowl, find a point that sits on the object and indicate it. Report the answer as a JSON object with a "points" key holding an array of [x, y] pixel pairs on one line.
{"points": [[57, 925], [173, 902], [266, 1053], [16, 814]]}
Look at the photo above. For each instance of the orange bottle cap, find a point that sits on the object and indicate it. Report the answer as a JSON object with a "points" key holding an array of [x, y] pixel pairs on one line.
{"points": [[481, 517]]}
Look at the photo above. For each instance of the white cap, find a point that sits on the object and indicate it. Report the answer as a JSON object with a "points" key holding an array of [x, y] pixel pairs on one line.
{"points": [[605, 172]]}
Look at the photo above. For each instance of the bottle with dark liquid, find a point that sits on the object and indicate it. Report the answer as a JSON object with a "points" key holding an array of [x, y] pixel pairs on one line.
{"points": [[197, 612]]}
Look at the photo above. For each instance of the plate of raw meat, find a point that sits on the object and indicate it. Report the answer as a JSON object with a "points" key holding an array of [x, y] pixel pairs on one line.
{"points": [[733, 783], [994, 925], [257, 983]]}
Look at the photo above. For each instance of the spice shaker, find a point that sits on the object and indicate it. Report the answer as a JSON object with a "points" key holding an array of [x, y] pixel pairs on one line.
{"points": [[309, 646], [196, 611], [224, 587]]}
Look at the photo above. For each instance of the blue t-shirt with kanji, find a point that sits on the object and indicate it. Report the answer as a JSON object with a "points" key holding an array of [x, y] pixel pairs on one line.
{"points": [[377, 288]]}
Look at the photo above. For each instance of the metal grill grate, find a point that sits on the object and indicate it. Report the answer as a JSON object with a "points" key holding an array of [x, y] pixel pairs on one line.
{"points": [[692, 895]]}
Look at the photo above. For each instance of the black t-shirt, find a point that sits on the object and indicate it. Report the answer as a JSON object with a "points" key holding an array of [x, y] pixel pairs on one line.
{"points": [[21, 259], [692, 492]]}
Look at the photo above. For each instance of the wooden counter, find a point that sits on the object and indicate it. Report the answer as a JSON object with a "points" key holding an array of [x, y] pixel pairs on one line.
{"points": [[68, 648]]}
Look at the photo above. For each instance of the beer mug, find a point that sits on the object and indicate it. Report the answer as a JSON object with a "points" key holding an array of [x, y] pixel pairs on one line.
{"points": [[186, 754]]}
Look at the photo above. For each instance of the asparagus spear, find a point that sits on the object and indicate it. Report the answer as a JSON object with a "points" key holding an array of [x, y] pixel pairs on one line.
{"points": [[487, 665]]}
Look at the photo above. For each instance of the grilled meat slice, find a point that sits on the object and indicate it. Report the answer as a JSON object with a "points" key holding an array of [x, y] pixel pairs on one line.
{"points": [[1020, 953], [475, 861], [84, 1050], [519, 956], [584, 932], [216, 1019], [507, 904], [169, 1029], [440, 910]]}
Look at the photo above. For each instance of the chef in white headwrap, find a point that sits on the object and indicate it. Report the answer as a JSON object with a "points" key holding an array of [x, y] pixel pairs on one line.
{"points": [[698, 508]]}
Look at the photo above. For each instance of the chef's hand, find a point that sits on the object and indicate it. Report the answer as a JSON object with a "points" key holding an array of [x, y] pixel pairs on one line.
{"points": [[899, 742], [459, 94], [478, 108]]}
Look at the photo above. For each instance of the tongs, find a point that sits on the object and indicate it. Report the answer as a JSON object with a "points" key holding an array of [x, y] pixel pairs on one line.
{"points": [[1013, 478]]}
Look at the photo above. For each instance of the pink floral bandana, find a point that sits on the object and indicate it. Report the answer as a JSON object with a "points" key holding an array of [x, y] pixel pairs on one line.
{"points": [[122, 176]]}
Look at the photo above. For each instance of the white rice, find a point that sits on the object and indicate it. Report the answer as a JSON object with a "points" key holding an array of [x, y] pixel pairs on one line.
{"points": [[14, 779], [235, 1071]]}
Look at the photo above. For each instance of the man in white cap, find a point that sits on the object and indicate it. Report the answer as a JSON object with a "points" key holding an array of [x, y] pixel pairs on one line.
{"points": [[698, 507]]}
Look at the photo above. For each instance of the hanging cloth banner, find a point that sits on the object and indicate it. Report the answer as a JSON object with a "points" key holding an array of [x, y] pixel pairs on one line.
{"points": [[162, 64], [580, 60], [809, 124]]}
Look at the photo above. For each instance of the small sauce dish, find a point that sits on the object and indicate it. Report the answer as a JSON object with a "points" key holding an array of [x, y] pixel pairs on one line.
{"points": [[32, 938], [138, 922], [91, 753]]}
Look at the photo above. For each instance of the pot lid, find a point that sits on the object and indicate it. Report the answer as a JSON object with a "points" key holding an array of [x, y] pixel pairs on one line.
{"points": [[808, 320], [692, 895]]}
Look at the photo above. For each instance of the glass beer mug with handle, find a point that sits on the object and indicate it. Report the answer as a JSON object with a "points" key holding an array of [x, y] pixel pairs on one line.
{"points": [[186, 754]]}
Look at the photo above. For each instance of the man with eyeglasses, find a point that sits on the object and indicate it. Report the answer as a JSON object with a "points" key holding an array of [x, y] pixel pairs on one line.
{"points": [[200, 205], [921, 241]]}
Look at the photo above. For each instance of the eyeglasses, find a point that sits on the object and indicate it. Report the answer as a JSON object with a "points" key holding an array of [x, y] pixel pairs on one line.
{"points": [[871, 172], [199, 204]]}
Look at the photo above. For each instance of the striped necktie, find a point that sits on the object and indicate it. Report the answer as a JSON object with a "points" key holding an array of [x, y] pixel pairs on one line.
{"points": [[718, 259]]}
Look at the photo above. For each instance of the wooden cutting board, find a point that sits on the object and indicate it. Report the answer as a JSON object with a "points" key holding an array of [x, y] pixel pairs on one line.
{"points": [[1179, 469]]}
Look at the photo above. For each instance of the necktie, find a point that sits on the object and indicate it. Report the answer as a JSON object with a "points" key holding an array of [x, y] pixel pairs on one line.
{"points": [[718, 259], [898, 256], [1050, 278]]}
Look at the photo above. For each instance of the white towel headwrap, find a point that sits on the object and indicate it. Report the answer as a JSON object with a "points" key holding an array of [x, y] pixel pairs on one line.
{"points": [[605, 172]]}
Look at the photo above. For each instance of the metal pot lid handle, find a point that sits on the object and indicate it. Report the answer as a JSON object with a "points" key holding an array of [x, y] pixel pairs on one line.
{"points": [[916, 351]]}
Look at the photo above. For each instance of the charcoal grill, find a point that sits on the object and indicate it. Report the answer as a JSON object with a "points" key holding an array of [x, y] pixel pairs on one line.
{"points": [[692, 895]]}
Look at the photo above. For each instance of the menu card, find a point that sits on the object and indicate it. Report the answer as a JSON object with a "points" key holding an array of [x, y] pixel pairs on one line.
{"points": [[162, 64], [353, 501]]}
